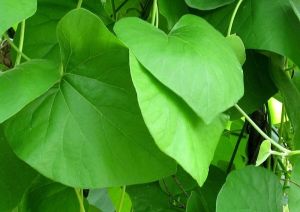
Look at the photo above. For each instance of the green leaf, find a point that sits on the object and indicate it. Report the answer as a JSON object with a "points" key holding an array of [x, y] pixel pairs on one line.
{"points": [[290, 94], [294, 190], [264, 152], [24, 83], [238, 46], [15, 176], [194, 203], [193, 60], [173, 13], [150, 198], [14, 11], [296, 7], [265, 25], [207, 5], [175, 127], [40, 39], [209, 191], [88, 131], [48, 196], [259, 86], [250, 189], [171, 184]]}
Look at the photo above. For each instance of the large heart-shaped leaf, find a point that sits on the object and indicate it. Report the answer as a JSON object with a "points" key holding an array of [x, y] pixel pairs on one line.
{"points": [[193, 60], [88, 131], [175, 127], [207, 4], [24, 83], [14, 11], [15, 176], [250, 189]]}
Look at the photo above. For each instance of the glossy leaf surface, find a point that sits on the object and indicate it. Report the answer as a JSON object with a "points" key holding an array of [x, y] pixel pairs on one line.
{"points": [[190, 60]]}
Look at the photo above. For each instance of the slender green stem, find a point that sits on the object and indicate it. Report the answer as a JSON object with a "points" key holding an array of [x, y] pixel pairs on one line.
{"points": [[79, 3], [15, 47], [80, 199], [113, 7], [121, 202], [157, 16], [154, 11], [121, 5], [262, 133], [21, 42], [233, 16], [278, 153], [177, 182]]}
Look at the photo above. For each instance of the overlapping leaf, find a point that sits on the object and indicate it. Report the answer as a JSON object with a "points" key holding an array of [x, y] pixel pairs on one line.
{"points": [[193, 60], [40, 39], [24, 83], [175, 127], [14, 11], [88, 131], [250, 189]]}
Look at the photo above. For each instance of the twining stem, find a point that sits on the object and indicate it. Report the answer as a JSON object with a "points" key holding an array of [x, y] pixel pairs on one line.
{"points": [[15, 47], [113, 7], [233, 16], [21, 42], [80, 199], [79, 3], [154, 16], [121, 202], [262, 133]]}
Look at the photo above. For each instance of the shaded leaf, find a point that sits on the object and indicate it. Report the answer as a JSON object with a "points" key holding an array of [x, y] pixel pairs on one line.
{"points": [[89, 139], [116, 195], [250, 189], [193, 60], [47, 196], [15, 176], [24, 83], [150, 198], [207, 5], [294, 191], [184, 137]]}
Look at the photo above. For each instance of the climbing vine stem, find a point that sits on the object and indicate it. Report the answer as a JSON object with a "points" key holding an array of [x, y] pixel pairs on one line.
{"points": [[80, 199], [154, 16], [121, 202], [21, 42], [233, 16], [79, 3], [15, 47]]}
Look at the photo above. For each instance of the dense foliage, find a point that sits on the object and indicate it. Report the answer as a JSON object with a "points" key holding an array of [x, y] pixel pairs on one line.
{"points": [[149, 105]]}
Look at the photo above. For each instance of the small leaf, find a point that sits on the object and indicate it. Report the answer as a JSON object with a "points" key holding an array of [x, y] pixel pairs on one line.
{"points": [[193, 60], [264, 152], [207, 5], [14, 11], [250, 189], [237, 45]]}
